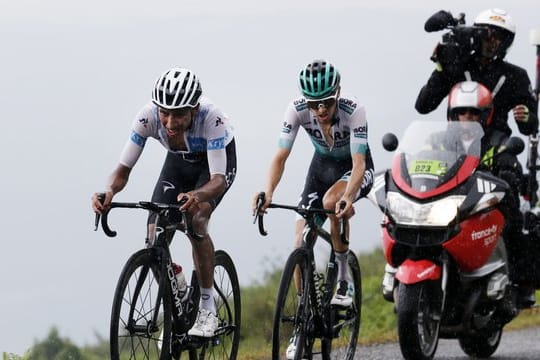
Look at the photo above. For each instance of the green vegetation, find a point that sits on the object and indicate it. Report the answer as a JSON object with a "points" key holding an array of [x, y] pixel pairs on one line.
{"points": [[378, 320]]}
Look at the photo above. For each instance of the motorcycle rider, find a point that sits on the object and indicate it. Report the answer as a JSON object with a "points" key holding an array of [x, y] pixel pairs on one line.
{"points": [[511, 91]]}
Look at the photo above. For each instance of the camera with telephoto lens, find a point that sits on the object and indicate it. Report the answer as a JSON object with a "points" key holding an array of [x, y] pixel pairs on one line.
{"points": [[459, 45]]}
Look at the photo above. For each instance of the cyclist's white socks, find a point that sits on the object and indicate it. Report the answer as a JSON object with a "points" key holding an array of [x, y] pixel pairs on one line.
{"points": [[207, 300], [343, 266]]}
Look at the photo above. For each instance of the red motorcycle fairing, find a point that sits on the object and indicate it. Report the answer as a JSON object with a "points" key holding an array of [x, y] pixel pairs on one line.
{"points": [[415, 271], [474, 244], [469, 165], [387, 244]]}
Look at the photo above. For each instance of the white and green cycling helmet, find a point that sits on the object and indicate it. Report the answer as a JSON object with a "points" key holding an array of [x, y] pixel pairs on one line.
{"points": [[177, 88], [319, 80]]}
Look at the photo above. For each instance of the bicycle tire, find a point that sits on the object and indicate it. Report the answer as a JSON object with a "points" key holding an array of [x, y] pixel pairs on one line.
{"points": [[289, 323], [224, 344], [134, 334], [346, 321]]}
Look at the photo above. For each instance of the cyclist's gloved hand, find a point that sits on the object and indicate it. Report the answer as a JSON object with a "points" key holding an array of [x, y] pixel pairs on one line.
{"points": [[521, 113], [256, 202], [101, 201]]}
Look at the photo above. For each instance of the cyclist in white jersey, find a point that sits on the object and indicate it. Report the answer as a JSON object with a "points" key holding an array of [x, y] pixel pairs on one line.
{"points": [[341, 169], [200, 165]]}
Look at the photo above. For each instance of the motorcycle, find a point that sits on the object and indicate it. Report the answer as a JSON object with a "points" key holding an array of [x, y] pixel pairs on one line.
{"points": [[446, 271]]}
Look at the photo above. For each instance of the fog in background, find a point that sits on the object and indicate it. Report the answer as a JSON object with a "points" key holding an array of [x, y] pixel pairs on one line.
{"points": [[73, 75]]}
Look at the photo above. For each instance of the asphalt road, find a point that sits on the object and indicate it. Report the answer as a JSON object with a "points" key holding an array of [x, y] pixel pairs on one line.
{"points": [[520, 344]]}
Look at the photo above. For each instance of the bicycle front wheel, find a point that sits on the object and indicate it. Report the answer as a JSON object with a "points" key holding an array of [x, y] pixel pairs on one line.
{"points": [[345, 321], [141, 314], [291, 315], [224, 344]]}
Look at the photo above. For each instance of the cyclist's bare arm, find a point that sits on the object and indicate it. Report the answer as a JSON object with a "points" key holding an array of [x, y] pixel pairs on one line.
{"points": [[353, 185], [117, 181], [275, 172]]}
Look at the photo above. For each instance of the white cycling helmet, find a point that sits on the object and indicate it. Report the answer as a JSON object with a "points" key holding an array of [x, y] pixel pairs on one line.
{"points": [[177, 88], [471, 95], [500, 21]]}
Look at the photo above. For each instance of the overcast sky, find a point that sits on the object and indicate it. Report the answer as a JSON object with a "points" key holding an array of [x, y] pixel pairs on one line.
{"points": [[73, 75]]}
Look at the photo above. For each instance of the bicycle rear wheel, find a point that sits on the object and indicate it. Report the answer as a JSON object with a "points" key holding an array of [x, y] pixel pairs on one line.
{"points": [[292, 312], [224, 344], [141, 315], [346, 321]]}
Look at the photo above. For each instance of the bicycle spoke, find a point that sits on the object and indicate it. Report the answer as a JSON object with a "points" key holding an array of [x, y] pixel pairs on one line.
{"points": [[139, 317]]}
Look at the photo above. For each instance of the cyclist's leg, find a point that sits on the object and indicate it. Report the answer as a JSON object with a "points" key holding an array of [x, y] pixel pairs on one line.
{"points": [[315, 186], [345, 285], [203, 249]]}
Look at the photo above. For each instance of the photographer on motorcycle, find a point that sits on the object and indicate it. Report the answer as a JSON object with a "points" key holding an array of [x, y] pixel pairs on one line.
{"points": [[481, 58]]}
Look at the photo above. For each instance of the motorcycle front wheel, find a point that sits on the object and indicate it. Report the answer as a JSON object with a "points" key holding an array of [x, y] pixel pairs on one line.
{"points": [[419, 319], [481, 345]]}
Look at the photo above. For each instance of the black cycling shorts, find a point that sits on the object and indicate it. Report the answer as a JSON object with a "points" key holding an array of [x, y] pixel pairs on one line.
{"points": [[325, 172], [181, 174]]}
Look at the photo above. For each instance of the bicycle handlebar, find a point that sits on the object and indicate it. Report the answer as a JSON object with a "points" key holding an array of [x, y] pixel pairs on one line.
{"points": [[304, 212], [145, 205]]}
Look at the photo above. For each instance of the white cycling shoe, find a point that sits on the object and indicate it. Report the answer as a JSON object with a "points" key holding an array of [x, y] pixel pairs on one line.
{"points": [[291, 349], [205, 325], [344, 294]]}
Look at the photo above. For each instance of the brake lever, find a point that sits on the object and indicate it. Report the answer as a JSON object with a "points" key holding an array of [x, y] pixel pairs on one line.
{"points": [[261, 199], [343, 225], [101, 198]]}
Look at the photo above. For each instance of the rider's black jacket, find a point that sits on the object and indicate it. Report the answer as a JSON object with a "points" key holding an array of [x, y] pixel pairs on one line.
{"points": [[515, 90]]}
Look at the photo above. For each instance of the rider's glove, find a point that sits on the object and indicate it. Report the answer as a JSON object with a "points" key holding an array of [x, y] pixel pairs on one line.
{"points": [[521, 113]]}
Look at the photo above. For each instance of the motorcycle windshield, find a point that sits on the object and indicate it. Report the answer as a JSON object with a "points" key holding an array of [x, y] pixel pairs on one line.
{"points": [[432, 152]]}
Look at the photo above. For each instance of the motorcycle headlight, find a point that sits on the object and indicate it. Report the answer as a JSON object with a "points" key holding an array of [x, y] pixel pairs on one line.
{"points": [[436, 213]]}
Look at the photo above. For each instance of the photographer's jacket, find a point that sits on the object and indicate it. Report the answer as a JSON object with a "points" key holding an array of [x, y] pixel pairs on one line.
{"points": [[516, 89]]}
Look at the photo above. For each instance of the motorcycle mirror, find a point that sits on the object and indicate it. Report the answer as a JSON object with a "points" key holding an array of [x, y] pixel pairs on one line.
{"points": [[515, 145], [390, 142], [534, 37]]}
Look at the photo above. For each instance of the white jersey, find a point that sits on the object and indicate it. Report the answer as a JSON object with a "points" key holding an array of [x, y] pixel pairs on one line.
{"points": [[349, 130], [209, 133]]}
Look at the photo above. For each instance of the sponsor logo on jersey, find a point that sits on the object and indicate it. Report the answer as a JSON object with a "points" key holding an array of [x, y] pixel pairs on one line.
{"points": [[300, 104], [360, 132], [144, 122], [347, 105], [286, 128], [137, 139], [219, 121], [216, 144], [196, 144], [338, 135], [167, 186]]}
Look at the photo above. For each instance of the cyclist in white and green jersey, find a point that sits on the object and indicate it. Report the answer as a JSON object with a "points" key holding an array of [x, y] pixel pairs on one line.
{"points": [[341, 169]]}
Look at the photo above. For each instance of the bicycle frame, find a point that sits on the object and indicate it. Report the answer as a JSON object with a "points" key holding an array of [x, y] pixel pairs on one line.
{"points": [[313, 231], [167, 215]]}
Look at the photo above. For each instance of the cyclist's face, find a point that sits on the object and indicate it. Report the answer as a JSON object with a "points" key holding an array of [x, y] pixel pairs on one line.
{"points": [[324, 110], [176, 121]]}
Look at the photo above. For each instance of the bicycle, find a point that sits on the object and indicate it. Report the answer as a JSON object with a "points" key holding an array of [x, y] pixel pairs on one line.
{"points": [[304, 319], [149, 320]]}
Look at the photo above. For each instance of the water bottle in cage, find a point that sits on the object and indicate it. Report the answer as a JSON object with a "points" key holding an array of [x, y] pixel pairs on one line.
{"points": [[180, 281]]}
